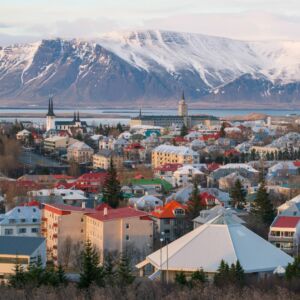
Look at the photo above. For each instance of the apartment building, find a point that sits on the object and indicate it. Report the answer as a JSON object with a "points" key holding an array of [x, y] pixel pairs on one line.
{"points": [[167, 154], [60, 222], [80, 153], [58, 142], [101, 160], [120, 230], [21, 221]]}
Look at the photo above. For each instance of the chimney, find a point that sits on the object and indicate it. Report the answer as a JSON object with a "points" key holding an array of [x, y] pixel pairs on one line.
{"points": [[83, 205], [105, 211]]}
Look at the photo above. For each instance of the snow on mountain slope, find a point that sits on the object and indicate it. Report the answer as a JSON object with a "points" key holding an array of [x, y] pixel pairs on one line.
{"points": [[150, 66], [217, 60]]}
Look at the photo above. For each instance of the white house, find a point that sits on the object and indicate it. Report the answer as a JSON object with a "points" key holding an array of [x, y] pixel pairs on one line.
{"points": [[185, 175], [21, 221]]}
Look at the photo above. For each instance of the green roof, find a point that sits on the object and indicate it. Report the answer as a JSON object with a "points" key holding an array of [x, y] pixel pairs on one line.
{"points": [[165, 184]]}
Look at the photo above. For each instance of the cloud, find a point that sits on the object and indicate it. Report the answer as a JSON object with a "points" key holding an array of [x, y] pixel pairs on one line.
{"points": [[249, 25]]}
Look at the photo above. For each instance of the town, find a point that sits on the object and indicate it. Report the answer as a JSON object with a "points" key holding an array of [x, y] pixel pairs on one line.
{"points": [[175, 199]]}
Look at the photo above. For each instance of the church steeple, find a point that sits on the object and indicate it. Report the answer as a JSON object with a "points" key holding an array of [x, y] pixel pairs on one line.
{"points": [[78, 119], [182, 107], [74, 118], [50, 108], [183, 98]]}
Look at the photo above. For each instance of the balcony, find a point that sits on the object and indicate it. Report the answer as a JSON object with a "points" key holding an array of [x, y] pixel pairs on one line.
{"points": [[55, 225], [55, 235], [44, 229], [44, 219], [273, 238]]}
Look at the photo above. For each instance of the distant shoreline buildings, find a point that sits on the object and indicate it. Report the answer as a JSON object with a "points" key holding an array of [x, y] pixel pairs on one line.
{"points": [[181, 119]]}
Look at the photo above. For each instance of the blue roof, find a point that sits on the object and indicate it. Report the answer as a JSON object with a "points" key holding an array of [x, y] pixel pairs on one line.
{"points": [[19, 245]]}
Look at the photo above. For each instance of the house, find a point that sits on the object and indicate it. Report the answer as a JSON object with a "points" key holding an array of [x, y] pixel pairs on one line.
{"points": [[120, 230], [285, 233], [283, 170], [290, 208], [208, 214], [206, 246], [21, 221], [245, 170], [60, 196], [57, 143], [226, 183], [20, 250], [186, 175], [170, 219], [167, 154], [90, 182], [166, 171], [146, 202], [135, 152], [154, 184], [80, 153], [23, 135], [101, 160]]}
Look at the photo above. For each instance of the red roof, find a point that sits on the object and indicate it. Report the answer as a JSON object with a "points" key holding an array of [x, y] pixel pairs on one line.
{"points": [[211, 136], [231, 152], [62, 209], [167, 211], [118, 213], [62, 177], [286, 222], [180, 139], [134, 146], [213, 166], [168, 167], [297, 163]]}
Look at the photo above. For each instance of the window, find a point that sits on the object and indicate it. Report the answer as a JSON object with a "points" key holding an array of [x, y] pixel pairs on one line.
{"points": [[8, 231], [127, 237], [34, 220], [23, 220], [35, 230], [167, 221], [22, 230], [127, 226]]}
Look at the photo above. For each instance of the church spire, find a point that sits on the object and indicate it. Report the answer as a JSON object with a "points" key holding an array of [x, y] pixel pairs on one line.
{"points": [[50, 107], [74, 118], [183, 98], [78, 119], [140, 114]]}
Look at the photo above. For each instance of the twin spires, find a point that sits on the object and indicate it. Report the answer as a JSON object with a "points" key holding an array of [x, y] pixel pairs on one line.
{"points": [[76, 117], [50, 108]]}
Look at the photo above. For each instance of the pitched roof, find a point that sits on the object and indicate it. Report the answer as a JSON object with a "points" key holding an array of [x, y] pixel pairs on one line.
{"points": [[221, 238], [167, 211], [286, 222], [17, 245]]}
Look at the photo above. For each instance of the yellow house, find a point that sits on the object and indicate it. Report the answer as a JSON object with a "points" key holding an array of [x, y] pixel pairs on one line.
{"points": [[167, 154], [20, 250]]}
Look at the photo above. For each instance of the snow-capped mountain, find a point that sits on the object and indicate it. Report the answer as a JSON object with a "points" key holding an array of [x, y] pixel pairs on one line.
{"points": [[151, 65]]}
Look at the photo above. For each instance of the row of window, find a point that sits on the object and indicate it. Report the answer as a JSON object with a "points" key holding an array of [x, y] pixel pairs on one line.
{"points": [[13, 221], [10, 231]]}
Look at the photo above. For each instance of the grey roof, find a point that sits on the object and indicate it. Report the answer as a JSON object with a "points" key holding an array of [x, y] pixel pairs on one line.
{"points": [[19, 245]]}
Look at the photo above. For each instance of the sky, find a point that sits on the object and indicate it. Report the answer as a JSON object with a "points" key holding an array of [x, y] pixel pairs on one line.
{"points": [[31, 20]]}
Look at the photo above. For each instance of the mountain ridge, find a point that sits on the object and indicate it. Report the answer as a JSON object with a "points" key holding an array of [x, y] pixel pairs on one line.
{"points": [[145, 66]]}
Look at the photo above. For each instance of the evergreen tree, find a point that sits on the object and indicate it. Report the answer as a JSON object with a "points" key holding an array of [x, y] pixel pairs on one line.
{"points": [[17, 280], [119, 127], [111, 187], [180, 278], [293, 269], [184, 130], [91, 272], [61, 275], [262, 206], [123, 272], [198, 276], [194, 204], [222, 130], [239, 274], [109, 270], [36, 273], [238, 194]]}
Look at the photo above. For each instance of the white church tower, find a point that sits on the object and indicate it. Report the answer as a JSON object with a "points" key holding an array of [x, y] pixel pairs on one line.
{"points": [[182, 107], [50, 117]]}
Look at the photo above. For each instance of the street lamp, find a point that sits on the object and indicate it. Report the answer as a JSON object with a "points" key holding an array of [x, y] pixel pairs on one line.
{"points": [[161, 241]]}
